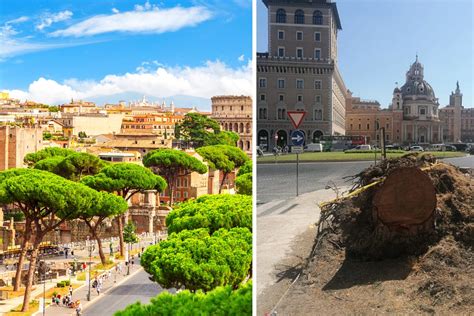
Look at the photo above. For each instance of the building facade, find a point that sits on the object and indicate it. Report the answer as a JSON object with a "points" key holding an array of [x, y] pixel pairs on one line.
{"points": [[458, 122], [234, 113], [300, 72], [16, 142], [413, 117]]}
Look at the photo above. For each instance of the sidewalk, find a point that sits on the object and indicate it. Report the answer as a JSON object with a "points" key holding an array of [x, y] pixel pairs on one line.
{"points": [[8, 305], [278, 225], [81, 293]]}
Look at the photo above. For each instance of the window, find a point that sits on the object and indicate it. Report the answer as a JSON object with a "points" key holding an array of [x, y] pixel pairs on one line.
{"points": [[360, 127], [281, 97], [262, 83], [368, 126], [262, 113], [422, 111], [318, 99], [185, 194], [318, 114], [281, 114], [281, 52], [317, 53], [299, 98], [262, 97], [299, 17], [281, 83], [317, 17], [281, 16], [299, 36], [299, 83], [317, 37], [281, 35], [317, 84], [299, 52]]}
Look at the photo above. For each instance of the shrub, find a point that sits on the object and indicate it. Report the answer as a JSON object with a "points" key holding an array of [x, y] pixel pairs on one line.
{"points": [[221, 301], [197, 260], [212, 212]]}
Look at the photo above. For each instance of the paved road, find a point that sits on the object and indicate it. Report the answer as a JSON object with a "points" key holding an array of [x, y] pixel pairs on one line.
{"points": [[137, 288], [278, 181]]}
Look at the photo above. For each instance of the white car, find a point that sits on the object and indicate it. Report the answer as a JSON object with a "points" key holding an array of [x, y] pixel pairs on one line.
{"points": [[363, 147], [314, 147], [416, 148]]}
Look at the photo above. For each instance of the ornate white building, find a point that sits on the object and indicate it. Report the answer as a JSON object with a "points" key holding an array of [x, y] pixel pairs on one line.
{"points": [[417, 99]]}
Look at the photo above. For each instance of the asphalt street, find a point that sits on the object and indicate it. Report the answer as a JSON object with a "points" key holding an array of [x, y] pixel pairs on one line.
{"points": [[278, 181], [136, 288]]}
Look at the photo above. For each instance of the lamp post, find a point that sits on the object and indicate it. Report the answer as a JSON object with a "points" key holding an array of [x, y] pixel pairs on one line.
{"points": [[128, 265], [43, 268], [90, 248]]}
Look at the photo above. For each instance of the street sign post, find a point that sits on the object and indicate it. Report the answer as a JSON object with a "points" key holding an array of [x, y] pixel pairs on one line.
{"points": [[297, 138]]}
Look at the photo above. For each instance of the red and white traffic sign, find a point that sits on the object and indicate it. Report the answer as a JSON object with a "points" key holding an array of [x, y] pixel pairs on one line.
{"points": [[296, 117]]}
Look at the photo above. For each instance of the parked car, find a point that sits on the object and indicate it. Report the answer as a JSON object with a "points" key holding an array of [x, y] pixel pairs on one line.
{"points": [[314, 147], [416, 148], [363, 147]]}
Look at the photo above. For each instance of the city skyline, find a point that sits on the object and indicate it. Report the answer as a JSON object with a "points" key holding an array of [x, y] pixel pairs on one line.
{"points": [[373, 38], [122, 50]]}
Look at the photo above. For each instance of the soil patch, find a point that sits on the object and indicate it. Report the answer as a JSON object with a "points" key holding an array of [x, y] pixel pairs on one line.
{"points": [[359, 265]]}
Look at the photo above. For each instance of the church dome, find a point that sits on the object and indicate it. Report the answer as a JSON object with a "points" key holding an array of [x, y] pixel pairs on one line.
{"points": [[415, 84]]}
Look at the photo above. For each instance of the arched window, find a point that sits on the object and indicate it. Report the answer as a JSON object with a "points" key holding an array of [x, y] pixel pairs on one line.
{"points": [[299, 17], [281, 16], [317, 17]]}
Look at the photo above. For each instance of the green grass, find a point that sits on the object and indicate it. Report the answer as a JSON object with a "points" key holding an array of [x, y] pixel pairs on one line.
{"points": [[341, 156]]}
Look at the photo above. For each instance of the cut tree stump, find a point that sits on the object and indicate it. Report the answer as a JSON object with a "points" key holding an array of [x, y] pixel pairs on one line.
{"points": [[406, 200]]}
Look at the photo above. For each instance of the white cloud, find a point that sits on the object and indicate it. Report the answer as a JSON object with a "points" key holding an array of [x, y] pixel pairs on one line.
{"points": [[12, 45], [115, 10], [241, 58], [212, 78], [49, 18], [146, 19], [21, 19]]}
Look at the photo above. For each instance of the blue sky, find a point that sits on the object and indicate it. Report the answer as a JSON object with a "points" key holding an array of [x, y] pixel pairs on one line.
{"points": [[53, 50], [380, 39]]}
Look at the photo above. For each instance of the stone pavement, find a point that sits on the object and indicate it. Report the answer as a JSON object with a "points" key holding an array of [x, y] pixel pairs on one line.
{"points": [[278, 224]]}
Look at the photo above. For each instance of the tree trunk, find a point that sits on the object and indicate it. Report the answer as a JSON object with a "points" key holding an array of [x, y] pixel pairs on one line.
{"points": [[21, 260], [120, 226], [31, 275], [223, 180], [93, 229], [101, 252]]}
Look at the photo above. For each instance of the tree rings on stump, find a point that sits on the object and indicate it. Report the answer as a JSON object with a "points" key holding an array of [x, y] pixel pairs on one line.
{"points": [[406, 198]]}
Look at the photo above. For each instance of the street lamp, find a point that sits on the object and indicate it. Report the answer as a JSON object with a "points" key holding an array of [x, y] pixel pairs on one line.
{"points": [[128, 265], [91, 248], [43, 269]]}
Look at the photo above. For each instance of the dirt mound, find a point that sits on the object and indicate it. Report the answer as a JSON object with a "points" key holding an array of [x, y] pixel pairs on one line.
{"points": [[430, 268]]}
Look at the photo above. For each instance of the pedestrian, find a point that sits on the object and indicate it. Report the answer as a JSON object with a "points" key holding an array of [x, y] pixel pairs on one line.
{"points": [[78, 308], [66, 252], [133, 262], [70, 290], [109, 274], [97, 288], [72, 253]]}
